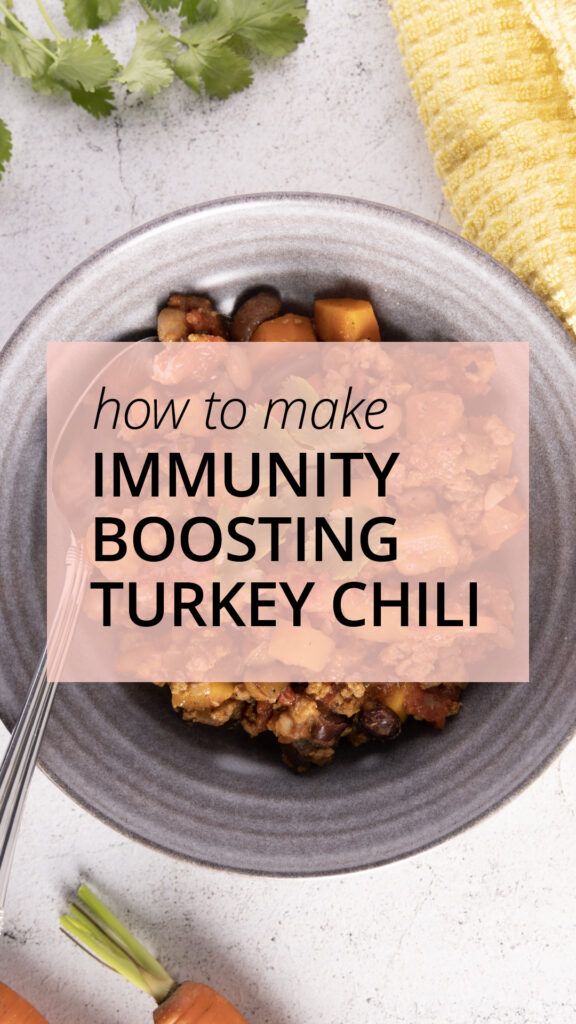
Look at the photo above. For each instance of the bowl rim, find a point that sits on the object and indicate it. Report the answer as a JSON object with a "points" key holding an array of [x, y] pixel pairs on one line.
{"points": [[322, 199], [369, 865]]}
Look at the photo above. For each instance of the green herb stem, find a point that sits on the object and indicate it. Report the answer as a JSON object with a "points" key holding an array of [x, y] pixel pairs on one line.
{"points": [[147, 10], [58, 37], [22, 28], [95, 928], [154, 17]]}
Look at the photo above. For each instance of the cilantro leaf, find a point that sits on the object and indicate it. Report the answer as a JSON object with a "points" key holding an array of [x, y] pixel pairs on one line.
{"points": [[206, 32], [296, 388], [5, 145], [99, 103], [221, 69], [83, 64], [272, 26], [260, 12], [149, 67], [198, 10], [20, 53], [45, 85], [276, 38], [42, 82], [188, 66], [83, 14], [273, 439], [211, 55], [29, 60]]}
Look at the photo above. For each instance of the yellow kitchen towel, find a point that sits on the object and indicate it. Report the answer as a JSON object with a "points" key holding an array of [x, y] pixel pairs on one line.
{"points": [[495, 83]]}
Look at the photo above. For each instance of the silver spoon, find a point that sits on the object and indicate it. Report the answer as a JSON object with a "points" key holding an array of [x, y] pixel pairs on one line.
{"points": [[21, 755]]}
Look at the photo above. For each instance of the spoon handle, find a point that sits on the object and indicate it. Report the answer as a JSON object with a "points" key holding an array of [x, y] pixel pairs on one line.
{"points": [[22, 752]]}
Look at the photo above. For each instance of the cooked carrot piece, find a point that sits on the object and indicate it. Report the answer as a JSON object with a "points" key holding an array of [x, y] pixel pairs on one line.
{"points": [[289, 327], [345, 320], [15, 1010]]}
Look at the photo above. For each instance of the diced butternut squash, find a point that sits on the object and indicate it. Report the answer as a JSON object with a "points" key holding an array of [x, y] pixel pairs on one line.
{"points": [[364, 494], [207, 695], [499, 523], [300, 645], [345, 320], [505, 453], [425, 544], [290, 327], [395, 699]]}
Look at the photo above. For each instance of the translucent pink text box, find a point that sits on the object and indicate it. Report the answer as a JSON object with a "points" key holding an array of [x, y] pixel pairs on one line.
{"points": [[378, 529]]}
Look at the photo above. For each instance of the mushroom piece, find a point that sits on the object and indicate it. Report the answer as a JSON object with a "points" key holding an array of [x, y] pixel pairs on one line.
{"points": [[260, 307]]}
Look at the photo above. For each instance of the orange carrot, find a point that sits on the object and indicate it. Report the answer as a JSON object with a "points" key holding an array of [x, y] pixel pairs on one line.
{"points": [[15, 1010], [90, 923], [289, 327], [192, 1003], [345, 320]]}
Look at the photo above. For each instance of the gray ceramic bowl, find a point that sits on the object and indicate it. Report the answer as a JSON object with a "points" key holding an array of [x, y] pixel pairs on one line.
{"points": [[211, 795]]}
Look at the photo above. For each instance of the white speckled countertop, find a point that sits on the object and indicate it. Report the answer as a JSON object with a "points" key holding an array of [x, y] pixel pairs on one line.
{"points": [[480, 929]]}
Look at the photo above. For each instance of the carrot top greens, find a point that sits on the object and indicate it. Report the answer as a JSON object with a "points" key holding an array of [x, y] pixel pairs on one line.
{"points": [[93, 926]]}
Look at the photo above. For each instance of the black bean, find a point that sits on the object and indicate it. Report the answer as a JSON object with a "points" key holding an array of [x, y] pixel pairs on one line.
{"points": [[379, 721], [328, 727]]}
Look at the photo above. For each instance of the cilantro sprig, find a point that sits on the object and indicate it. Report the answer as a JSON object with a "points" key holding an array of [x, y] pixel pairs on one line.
{"points": [[5, 145], [210, 52]]}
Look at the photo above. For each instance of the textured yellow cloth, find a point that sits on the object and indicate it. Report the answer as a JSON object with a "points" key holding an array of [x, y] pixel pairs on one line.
{"points": [[495, 83]]}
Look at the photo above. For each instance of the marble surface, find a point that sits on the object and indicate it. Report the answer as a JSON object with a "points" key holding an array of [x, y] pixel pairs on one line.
{"points": [[480, 929]]}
